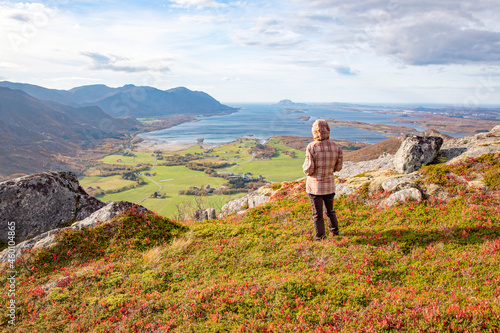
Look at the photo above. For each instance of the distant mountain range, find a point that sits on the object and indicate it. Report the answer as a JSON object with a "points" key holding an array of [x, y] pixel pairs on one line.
{"points": [[129, 100], [41, 129]]}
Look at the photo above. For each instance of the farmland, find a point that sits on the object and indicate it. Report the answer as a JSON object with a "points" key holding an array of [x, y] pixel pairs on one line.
{"points": [[284, 165]]}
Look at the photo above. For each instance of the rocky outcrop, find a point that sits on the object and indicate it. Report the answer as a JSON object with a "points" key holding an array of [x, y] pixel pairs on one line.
{"points": [[433, 132], [471, 146], [47, 239], [107, 212], [403, 196], [399, 183], [415, 152], [245, 202], [350, 169], [204, 214], [42, 202]]}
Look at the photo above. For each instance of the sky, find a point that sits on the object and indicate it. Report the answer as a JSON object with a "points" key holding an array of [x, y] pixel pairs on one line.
{"points": [[354, 51]]}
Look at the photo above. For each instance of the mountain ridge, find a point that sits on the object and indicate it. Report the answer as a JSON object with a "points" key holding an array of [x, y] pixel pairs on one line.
{"points": [[129, 100]]}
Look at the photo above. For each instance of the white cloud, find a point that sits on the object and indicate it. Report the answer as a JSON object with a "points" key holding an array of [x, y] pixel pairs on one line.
{"points": [[257, 50], [414, 32], [121, 64], [9, 65], [199, 4]]}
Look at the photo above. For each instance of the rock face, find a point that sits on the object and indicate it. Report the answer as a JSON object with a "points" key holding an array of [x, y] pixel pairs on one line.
{"points": [[471, 146], [42, 202], [415, 152], [47, 239], [106, 213], [204, 214], [250, 200], [349, 169]]}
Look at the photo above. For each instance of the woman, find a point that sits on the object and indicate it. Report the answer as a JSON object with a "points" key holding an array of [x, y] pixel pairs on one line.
{"points": [[323, 158]]}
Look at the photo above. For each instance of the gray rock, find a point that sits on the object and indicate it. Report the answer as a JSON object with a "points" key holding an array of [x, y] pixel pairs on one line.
{"points": [[403, 195], [472, 146], [204, 214], [200, 215], [211, 213], [106, 213], [433, 132], [392, 183], [41, 241], [415, 152], [350, 169], [42, 202], [343, 189], [250, 200], [47, 239]]}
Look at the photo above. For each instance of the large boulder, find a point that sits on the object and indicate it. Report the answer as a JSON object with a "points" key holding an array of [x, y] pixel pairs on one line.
{"points": [[415, 152], [42, 202]]}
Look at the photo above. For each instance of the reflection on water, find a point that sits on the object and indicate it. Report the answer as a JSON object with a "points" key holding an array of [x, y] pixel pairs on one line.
{"points": [[262, 121]]}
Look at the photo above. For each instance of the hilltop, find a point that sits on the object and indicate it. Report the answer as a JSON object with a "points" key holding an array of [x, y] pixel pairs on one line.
{"points": [[420, 265]]}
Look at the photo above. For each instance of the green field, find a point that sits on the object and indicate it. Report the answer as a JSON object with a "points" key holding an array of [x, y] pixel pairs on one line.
{"points": [[172, 179], [106, 183], [139, 158]]}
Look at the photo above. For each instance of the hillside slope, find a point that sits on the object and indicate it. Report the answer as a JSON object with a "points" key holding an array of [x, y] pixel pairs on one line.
{"points": [[426, 266], [34, 132]]}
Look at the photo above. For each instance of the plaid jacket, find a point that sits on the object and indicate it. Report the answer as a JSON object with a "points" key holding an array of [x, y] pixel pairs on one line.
{"points": [[323, 158]]}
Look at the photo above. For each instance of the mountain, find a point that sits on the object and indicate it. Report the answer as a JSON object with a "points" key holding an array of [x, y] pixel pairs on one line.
{"points": [[146, 102], [287, 102], [130, 100], [34, 132], [60, 96]]}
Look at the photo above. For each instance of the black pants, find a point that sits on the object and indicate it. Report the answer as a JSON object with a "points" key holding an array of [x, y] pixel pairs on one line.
{"points": [[317, 202]]}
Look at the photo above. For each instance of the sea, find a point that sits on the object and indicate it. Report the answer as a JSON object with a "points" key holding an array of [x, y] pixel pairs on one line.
{"points": [[263, 121]]}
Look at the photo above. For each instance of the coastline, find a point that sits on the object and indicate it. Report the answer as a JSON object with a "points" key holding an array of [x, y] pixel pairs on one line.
{"points": [[149, 145]]}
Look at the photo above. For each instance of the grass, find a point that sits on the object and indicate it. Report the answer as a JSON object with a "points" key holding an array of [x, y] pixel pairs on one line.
{"points": [[105, 183], [430, 266], [278, 169], [147, 120], [139, 158], [132, 195], [174, 178], [168, 206]]}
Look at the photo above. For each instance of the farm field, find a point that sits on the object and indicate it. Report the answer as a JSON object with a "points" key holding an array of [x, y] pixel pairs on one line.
{"points": [[106, 183], [172, 179]]}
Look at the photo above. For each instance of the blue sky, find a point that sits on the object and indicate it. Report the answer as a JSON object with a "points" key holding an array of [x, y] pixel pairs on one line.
{"points": [[358, 51]]}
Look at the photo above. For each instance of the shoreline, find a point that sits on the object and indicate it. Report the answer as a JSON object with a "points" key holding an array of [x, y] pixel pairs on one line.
{"points": [[149, 145]]}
